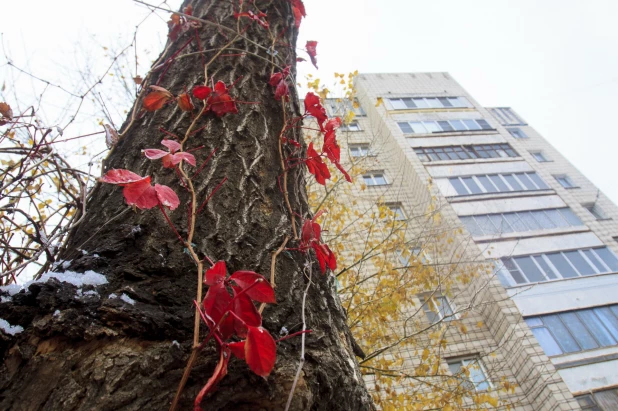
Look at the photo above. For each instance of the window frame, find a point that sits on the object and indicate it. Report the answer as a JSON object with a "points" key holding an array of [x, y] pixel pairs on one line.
{"points": [[539, 156], [435, 317], [465, 152], [507, 180], [360, 146], [435, 126], [565, 181], [399, 213], [372, 175], [352, 126], [596, 211], [517, 133], [423, 103]]}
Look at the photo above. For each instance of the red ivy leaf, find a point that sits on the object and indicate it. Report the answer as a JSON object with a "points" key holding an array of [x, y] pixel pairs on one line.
{"points": [[310, 232], [157, 98], [201, 92], [330, 147], [345, 173], [220, 372], [314, 108], [246, 313], [275, 79], [141, 194], [332, 124], [299, 11], [184, 102], [178, 157], [154, 153], [216, 274], [260, 351], [325, 256], [121, 177], [215, 303], [300, 59], [262, 291], [310, 46], [255, 17], [173, 145], [282, 90], [238, 349], [220, 101], [167, 197], [316, 166]]}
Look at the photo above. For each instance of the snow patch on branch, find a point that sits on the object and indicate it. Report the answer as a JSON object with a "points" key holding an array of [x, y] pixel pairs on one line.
{"points": [[77, 279], [10, 329]]}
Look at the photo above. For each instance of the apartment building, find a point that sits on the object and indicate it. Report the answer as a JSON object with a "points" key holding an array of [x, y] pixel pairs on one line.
{"points": [[551, 305]]}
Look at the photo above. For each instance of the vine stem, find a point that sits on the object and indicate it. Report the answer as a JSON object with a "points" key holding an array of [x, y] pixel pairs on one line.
{"points": [[302, 346], [285, 173], [273, 262]]}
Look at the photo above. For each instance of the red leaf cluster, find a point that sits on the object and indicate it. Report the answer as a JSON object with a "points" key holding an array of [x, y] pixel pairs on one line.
{"points": [[310, 47], [184, 102], [299, 11], [255, 17], [279, 81], [310, 238], [228, 314], [218, 99], [137, 190], [330, 148], [170, 158], [179, 24]]}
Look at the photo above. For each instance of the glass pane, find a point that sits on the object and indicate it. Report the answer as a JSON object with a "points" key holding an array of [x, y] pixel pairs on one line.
{"points": [[472, 226], [444, 308], [561, 264], [486, 225], [550, 346], [445, 126], [527, 218], [418, 127], [379, 179], [534, 322], [595, 261], [523, 179], [512, 182], [530, 270], [368, 180], [456, 102], [477, 376], [458, 186], [405, 127], [433, 102], [597, 328], [609, 320], [608, 258], [581, 334], [556, 218], [486, 182], [458, 125], [454, 367], [471, 124], [420, 103], [444, 101], [570, 216], [542, 219], [398, 104], [431, 126], [545, 267], [474, 188], [498, 182], [580, 264], [409, 103], [560, 333], [514, 271], [484, 124], [538, 181], [515, 221], [500, 223]]}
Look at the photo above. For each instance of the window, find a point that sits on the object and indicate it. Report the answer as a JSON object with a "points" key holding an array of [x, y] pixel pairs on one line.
{"points": [[497, 183], [428, 102], [521, 221], [416, 252], [375, 178], [427, 127], [438, 308], [587, 402], [517, 132], [507, 117], [560, 264], [339, 108], [359, 150], [353, 126], [426, 154], [578, 330], [565, 181], [596, 211], [539, 156], [397, 210], [476, 377]]}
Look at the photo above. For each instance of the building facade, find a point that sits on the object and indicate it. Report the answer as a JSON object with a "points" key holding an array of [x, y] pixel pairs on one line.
{"points": [[550, 308]]}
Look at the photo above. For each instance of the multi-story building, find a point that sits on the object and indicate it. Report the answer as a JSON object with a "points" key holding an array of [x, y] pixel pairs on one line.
{"points": [[550, 312]]}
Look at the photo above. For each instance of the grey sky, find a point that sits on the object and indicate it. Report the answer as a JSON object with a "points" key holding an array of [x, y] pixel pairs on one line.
{"points": [[554, 62]]}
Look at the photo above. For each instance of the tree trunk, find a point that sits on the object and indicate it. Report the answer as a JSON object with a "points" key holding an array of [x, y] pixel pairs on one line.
{"points": [[100, 352]]}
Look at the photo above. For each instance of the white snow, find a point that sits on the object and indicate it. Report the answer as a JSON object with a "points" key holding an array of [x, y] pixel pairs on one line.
{"points": [[175, 344], [77, 279], [56, 313], [66, 264], [5, 299], [112, 296], [10, 329], [127, 299]]}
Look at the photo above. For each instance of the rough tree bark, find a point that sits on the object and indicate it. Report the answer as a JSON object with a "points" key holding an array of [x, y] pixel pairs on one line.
{"points": [[101, 353]]}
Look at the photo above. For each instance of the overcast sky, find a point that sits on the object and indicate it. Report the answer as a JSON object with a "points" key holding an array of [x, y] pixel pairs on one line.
{"points": [[555, 62]]}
